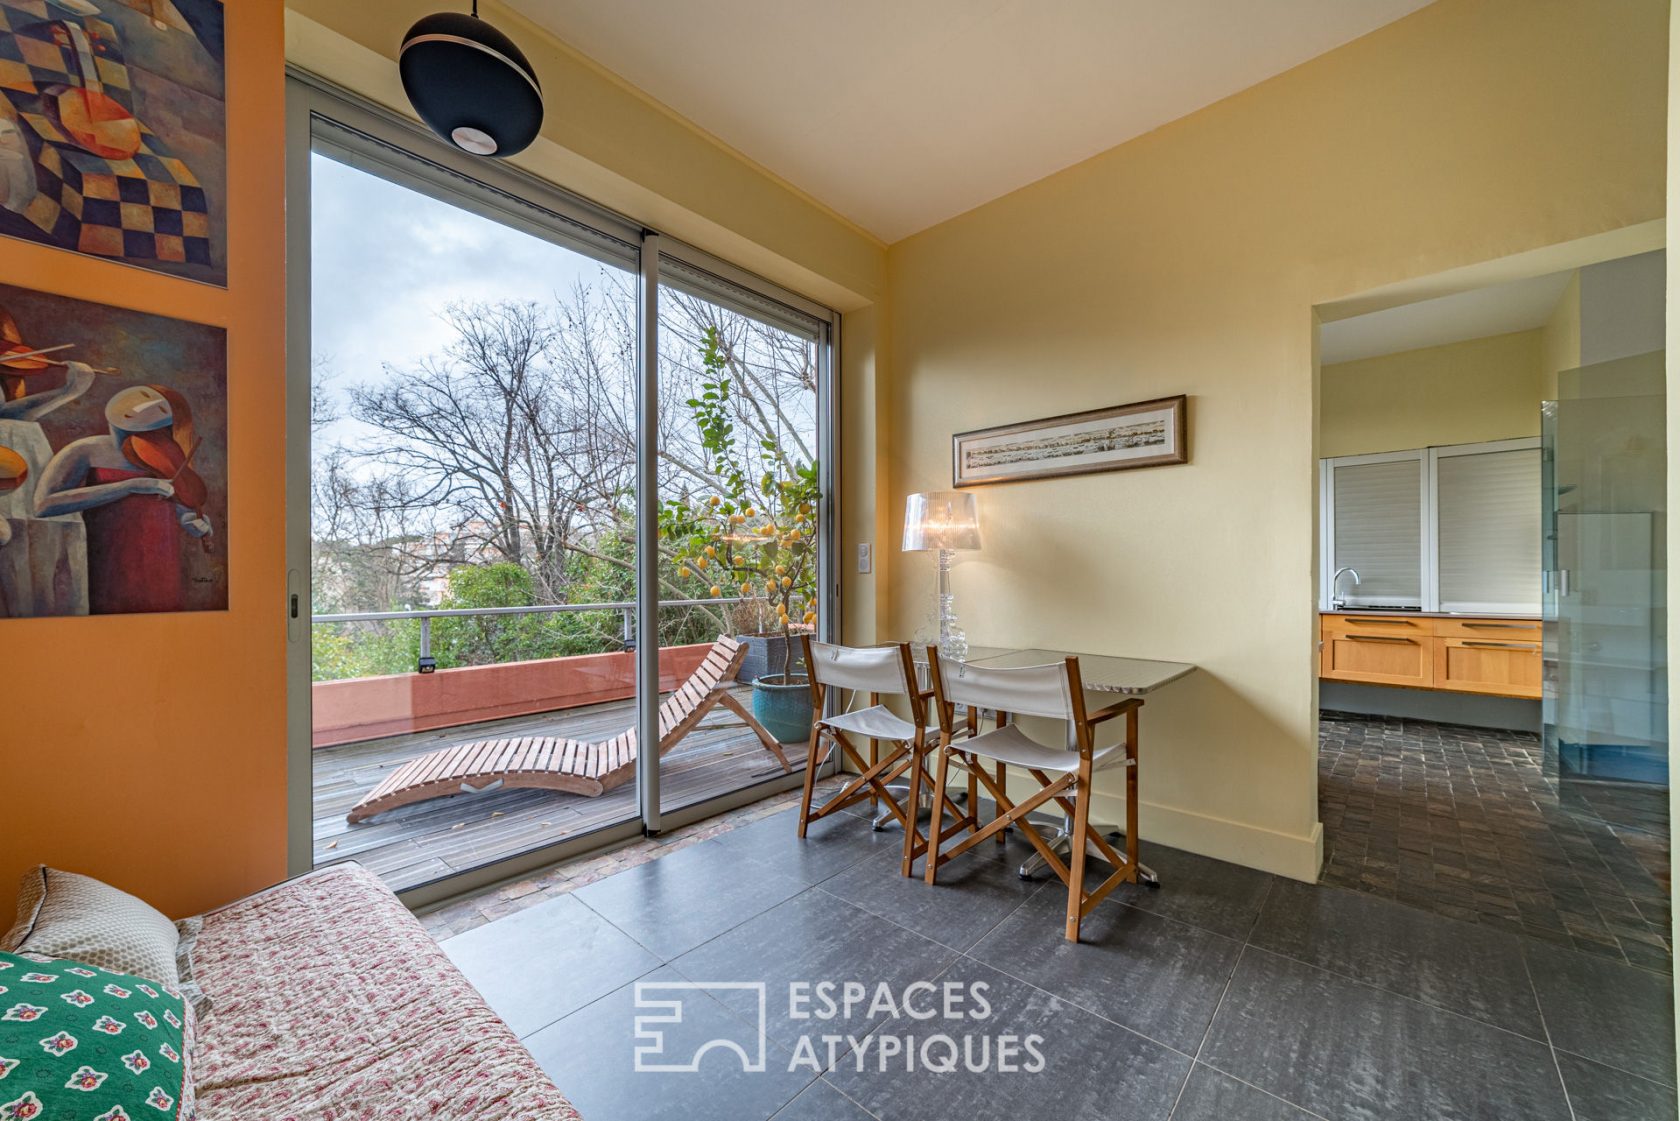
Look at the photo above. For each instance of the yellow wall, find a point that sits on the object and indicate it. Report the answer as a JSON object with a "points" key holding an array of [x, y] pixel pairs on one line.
{"points": [[150, 750], [1460, 393], [1560, 339], [1189, 261]]}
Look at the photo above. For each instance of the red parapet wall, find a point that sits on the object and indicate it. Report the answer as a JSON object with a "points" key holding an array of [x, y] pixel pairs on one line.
{"points": [[366, 708]]}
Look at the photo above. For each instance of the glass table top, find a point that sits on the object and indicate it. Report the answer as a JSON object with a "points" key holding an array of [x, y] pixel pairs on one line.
{"points": [[1100, 673]]}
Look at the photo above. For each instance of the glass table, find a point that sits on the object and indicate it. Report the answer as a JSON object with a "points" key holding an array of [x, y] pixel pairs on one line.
{"points": [[1101, 673]]}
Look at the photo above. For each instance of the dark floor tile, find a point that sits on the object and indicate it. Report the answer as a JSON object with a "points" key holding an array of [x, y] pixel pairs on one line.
{"points": [[821, 1102], [1213, 1096], [1466, 968], [975, 892], [1155, 976], [830, 846], [814, 939], [1422, 812], [1598, 1093], [1646, 956], [675, 903], [1212, 894], [1085, 1068], [1614, 1014], [593, 1055], [547, 961], [1345, 1050]]}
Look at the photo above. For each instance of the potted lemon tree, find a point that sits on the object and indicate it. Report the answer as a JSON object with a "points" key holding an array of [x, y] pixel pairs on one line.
{"points": [[752, 537]]}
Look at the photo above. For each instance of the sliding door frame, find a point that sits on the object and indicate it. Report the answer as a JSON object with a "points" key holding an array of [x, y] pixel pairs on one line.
{"points": [[321, 115]]}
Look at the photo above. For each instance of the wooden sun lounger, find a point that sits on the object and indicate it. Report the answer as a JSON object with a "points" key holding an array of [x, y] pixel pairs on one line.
{"points": [[555, 763]]}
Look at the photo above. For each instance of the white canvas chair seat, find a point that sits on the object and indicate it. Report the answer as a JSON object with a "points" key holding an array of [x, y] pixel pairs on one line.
{"points": [[896, 746], [877, 722], [1064, 775], [1010, 745]]}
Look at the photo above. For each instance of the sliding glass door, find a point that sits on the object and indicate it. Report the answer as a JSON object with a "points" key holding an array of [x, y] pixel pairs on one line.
{"points": [[741, 516], [501, 398]]}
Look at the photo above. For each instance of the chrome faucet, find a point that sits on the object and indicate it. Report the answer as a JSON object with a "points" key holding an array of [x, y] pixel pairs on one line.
{"points": [[1336, 602]]}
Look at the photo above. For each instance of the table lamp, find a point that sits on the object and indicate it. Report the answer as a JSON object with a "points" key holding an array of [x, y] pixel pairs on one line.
{"points": [[943, 520]]}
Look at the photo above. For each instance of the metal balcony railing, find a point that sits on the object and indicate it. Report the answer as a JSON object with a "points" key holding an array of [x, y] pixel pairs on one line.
{"points": [[626, 608]]}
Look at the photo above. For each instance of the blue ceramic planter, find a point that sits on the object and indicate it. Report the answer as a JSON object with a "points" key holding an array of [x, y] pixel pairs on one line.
{"points": [[784, 710]]}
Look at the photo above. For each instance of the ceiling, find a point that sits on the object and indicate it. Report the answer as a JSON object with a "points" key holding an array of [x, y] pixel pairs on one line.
{"points": [[1499, 309], [899, 114]]}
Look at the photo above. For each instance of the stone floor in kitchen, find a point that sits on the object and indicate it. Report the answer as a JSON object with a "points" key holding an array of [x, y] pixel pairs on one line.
{"points": [[1463, 822], [1226, 994]]}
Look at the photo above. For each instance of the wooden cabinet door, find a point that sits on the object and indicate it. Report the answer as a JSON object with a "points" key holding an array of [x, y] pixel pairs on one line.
{"points": [[1498, 667], [1377, 659]]}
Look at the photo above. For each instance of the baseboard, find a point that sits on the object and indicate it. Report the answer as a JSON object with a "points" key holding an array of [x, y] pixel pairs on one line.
{"points": [[1469, 709], [1283, 854]]}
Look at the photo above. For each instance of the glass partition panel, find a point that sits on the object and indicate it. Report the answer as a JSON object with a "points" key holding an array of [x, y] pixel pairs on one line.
{"points": [[1606, 697]]}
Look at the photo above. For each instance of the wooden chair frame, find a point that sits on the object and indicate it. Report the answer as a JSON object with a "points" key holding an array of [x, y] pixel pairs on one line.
{"points": [[875, 773], [1071, 792]]}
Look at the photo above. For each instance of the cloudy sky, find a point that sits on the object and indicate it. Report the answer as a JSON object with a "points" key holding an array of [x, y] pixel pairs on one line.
{"points": [[387, 260]]}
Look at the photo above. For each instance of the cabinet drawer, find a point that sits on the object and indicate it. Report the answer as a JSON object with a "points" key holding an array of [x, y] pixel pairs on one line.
{"points": [[1502, 667], [1378, 659], [1376, 624], [1493, 630]]}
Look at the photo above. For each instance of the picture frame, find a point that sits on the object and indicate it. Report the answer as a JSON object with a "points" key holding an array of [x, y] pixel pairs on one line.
{"points": [[1150, 434]]}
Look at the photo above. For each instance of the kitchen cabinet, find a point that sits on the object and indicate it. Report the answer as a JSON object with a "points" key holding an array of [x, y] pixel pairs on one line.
{"points": [[1457, 654]]}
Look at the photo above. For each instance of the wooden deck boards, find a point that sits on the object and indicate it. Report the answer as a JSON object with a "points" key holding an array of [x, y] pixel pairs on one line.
{"points": [[415, 844]]}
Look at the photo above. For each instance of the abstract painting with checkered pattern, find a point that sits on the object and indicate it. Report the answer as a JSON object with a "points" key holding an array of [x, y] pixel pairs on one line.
{"points": [[113, 135]]}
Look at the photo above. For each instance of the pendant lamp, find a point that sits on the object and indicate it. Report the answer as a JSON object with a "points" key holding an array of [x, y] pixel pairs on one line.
{"points": [[471, 84]]}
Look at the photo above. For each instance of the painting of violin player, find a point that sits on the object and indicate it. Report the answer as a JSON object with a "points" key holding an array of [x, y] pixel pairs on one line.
{"points": [[40, 571], [137, 492], [114, 491], [13, 472]]}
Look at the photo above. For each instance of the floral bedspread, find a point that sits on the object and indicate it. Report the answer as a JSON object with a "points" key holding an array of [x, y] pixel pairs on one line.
{"points": [[329, 1001]]}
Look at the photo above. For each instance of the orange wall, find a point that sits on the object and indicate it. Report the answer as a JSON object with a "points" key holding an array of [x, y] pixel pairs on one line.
{"points": [[149, 750]]}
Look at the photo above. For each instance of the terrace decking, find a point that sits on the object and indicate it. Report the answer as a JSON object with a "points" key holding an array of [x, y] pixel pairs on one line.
{"points": [[416, 844]]}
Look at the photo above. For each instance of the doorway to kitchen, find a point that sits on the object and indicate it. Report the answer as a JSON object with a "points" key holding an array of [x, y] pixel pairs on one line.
{"points": [[1491, 644]]}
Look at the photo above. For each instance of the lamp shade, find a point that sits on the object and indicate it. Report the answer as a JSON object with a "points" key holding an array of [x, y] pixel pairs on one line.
{"points": [[941, 519], [471, 84]]}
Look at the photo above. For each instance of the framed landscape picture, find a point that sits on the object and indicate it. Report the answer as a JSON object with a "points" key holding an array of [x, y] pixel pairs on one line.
{"points": [[1145, 434]]}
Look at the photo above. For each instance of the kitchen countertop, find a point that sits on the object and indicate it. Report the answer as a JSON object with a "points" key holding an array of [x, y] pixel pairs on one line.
{"points": [[1432, 614]]}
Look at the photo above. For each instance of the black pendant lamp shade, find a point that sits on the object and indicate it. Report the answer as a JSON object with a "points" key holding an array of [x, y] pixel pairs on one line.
{"points": [[470, 84]]}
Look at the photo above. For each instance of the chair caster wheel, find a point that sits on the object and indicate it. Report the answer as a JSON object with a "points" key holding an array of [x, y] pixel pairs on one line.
{"points": [[1152, 885], [877, 828]]}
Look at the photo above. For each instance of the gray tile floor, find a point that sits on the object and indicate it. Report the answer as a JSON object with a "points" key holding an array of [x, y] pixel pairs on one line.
{"points": [[1227, 994], [1464, 822]]}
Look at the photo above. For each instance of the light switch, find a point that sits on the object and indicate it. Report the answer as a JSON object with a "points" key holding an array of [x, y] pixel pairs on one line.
{"points": [[865, 561]]}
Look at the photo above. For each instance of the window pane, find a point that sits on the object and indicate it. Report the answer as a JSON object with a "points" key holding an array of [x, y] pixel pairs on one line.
{"points": [[473, 446], [1378, 527], [1489, 526], [739, 513]]}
